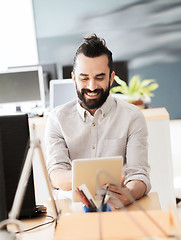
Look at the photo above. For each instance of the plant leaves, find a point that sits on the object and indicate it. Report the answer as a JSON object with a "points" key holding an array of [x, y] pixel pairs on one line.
{"points": [[134, 85], [120, 82], [123, 88], [153, 87], [136, 88], [146, 82], [148, 89], [115, 89]]}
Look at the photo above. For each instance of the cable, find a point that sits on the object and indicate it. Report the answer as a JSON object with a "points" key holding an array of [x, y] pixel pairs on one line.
{"points": [[6, 222], [40, 225]]}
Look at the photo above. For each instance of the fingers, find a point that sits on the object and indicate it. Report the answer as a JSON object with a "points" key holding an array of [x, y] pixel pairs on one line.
{"points": [[117, 195], [115, 203], [102, 192], [115, 189], [122, 181]]}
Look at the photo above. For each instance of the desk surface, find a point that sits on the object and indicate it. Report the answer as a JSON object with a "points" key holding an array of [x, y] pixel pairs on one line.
{"points": [[155, 114], [149, 202]]}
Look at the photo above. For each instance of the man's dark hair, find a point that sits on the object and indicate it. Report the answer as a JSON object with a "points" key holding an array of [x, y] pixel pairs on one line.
{"points": [[94, 46]]}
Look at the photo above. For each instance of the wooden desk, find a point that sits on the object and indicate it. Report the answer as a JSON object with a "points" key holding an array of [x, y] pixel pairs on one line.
{"points": [[149, 202]]}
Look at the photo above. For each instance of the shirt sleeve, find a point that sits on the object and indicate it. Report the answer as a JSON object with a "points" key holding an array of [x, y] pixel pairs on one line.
{"points": [[136, 163], [56, 150]]}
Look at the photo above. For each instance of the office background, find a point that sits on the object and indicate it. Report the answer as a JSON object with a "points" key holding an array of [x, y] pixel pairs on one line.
{"points": [[146, 34]]}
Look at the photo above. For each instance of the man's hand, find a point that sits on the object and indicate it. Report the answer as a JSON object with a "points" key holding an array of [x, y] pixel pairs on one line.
{"points": [[120, 198], [61, 178]]}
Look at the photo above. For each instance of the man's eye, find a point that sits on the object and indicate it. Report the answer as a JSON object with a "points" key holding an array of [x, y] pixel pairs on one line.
{"points": [[100, 78], [84, 78]]}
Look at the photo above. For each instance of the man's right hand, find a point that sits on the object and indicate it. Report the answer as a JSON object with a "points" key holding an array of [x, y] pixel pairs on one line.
{"points": [[61, 178]]}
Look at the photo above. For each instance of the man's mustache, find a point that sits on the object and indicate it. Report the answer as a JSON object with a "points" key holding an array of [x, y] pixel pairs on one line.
{"points": [[99, 90]]}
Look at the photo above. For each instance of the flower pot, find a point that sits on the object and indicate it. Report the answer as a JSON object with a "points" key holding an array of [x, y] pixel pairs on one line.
{"points": [[138, 103]]}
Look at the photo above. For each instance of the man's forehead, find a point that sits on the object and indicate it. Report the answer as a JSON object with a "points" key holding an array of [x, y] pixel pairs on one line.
{"points": [[97, 64], [82, 58]]}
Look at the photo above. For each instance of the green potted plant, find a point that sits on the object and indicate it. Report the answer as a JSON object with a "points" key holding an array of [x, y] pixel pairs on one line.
{"points": [[137, 91]]}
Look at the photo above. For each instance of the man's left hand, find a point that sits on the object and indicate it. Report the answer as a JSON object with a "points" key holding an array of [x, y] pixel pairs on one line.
{"points": [[119, 196]]}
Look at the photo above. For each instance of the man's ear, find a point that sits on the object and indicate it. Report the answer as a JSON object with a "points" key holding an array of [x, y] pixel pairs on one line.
{"points": [[112, 78]]}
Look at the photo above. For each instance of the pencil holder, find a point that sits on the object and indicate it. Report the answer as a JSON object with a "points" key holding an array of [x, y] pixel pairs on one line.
{"points": [[106, 208]]}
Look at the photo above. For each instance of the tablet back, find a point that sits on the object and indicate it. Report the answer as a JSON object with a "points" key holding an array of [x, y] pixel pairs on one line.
{"points": [[84, 171]]}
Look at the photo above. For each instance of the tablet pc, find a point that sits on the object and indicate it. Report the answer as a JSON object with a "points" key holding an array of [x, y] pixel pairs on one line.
{"points": [[84, 171]]}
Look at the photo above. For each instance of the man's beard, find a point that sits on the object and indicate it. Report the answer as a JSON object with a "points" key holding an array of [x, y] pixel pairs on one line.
{"points": [[93, 103]]}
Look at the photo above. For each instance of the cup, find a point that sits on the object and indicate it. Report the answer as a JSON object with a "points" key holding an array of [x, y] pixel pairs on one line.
{"points": [[106, 208]]}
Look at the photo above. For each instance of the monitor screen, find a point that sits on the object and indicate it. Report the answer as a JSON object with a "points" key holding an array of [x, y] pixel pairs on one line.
{"points": [[22, 85], [3, 207], [61, 92], [66, 71], [121, 69], [49, 73], [14, 145]]}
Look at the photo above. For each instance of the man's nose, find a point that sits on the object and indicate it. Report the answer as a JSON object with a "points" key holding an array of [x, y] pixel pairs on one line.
{"points": [[92, 85]]}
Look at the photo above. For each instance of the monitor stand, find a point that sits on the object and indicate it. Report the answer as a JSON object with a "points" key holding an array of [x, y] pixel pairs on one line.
{"points": [[27, 111]]}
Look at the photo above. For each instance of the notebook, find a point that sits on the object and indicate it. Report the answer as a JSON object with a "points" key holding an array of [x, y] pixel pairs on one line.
{"points": [[86, 171]]}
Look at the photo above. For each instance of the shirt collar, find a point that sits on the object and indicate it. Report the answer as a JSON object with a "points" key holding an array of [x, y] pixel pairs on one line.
{"points": [[105, 108]]}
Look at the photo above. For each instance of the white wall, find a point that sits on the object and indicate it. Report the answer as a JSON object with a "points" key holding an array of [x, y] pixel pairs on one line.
{"points": [[160, 159], [17, 34]]}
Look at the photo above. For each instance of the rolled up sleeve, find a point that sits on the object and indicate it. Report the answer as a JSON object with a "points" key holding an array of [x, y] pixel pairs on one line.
{"points": [[136, 163], [56, 150]]}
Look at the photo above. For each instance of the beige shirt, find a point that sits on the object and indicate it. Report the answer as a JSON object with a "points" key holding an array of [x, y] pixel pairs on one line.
{"points": [[117, 128]]}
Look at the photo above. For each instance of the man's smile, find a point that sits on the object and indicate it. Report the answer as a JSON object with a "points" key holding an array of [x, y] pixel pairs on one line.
{"points": [[92, 95]]}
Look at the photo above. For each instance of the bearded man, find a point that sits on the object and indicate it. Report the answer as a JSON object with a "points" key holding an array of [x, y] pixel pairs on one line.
{"points": [[97, 125]]}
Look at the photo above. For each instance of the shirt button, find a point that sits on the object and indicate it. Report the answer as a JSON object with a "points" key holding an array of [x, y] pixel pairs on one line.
{"points": [[93, 124], [93, 147]]}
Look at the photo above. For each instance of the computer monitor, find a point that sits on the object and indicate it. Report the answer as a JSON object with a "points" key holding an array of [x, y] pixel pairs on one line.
{"points": [[49, 73], [121, 69], [22, 87], [14, 145], [61, 92], [66, 71], [50, 70], [3, 208]]}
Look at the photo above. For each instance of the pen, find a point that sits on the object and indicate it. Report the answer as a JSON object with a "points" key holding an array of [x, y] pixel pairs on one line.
{"points": [[107, 198], [104, 196]]}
